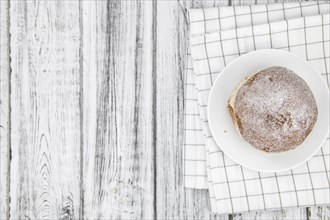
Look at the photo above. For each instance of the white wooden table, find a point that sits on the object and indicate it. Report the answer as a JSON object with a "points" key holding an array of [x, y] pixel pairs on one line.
{"points": [[92, 112]]}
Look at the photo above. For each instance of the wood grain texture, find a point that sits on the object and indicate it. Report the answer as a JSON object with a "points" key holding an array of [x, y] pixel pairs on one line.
{"points": [[173, 201], [118, 110], [96, 94], [286, 214], [318, 213], [4, 109], [45, 134], [171, 45]]}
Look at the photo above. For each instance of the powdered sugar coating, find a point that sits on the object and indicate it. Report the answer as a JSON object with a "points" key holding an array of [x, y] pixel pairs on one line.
{"points": [[275, 110]]}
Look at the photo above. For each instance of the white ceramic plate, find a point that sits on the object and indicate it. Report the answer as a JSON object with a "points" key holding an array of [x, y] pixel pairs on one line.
{"points": [[228, 138]]}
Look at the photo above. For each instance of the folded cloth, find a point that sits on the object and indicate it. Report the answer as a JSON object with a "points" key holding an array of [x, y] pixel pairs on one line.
{"points": [[288, 26], [231, 17]]}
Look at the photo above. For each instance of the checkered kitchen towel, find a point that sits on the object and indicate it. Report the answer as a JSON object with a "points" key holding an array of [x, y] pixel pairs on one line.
{"points": [[302, 28]]}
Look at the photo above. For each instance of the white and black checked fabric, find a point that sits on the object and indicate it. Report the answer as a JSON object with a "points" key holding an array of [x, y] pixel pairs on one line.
{"points": [[218, 36]]}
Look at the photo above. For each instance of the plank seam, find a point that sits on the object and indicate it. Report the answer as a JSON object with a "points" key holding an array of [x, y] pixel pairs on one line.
{"points": [[81, 105], [154, 100], [9, 113]]}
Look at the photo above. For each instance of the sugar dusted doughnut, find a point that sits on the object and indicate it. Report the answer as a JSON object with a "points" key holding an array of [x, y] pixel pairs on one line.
{"points": [[274, 109]]}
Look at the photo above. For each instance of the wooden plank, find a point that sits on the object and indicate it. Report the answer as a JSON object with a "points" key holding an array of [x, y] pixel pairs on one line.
{"points": [[287, 214], [4, 109], [320, 212], [45, 138], [118, 110], [205, 3], [174, 201]]}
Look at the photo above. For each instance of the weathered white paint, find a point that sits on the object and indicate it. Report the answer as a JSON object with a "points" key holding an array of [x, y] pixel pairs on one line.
{"points": [[4, 109], [45, 121], [318, 213], [118, 145], [97, 112]]}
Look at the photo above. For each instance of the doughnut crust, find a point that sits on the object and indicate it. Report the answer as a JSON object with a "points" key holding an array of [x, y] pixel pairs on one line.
{"points": [[274, 109]]}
